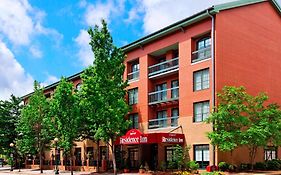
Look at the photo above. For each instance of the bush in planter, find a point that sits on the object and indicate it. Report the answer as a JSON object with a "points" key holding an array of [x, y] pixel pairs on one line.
{"points": [[245, 166], [223, 166], [260, 166], [192, 166], [273, 165]]}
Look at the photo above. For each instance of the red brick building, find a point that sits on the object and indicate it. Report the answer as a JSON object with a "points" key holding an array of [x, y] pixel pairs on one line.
{"points": [[175, 73]]}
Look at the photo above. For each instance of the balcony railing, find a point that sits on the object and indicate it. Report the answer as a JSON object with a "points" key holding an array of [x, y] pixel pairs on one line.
{"points": [[163, 67], [163, 122], [133, 76], [201, 54], [164, 95]]}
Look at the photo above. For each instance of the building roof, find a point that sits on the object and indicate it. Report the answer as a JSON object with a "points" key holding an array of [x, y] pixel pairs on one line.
{"points": [[179, 26]]}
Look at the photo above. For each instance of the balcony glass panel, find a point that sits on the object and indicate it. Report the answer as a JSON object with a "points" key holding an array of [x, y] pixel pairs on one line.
{"points": [[133, 76], [163, 122], [163, 67], [201, 54], [163, 95]]}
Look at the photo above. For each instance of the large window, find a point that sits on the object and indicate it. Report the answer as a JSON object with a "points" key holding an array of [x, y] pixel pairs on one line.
{"points": [[203, 49], [161, 91], [133, 96], [270, 153], [135, 121], [175, 89], [201, 80], [169, 153], [134, 74], [175, 116], [162, 116], [202, 155], [201, 111]]}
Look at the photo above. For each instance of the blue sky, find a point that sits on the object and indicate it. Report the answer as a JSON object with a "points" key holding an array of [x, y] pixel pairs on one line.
{"points": [[46, 39]]}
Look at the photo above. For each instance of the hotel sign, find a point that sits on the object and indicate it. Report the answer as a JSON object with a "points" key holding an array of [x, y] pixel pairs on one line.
{"points": [[134, 136]]}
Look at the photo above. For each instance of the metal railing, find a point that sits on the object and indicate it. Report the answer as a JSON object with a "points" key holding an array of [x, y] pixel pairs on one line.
{"points": [[163, 95], [133, 76], [201, 54], [163, 122], [163, 67]]}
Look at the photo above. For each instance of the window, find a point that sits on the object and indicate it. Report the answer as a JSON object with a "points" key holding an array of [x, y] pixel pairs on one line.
{"points": [[162, 92], [135, 121], [270, 153], [202, 155], [133, 96], [134, 74], [203, 49], [169, 152], [201, 111], [162, 116], [175, 89], [175, 116], [201, 80], [78, 86]]}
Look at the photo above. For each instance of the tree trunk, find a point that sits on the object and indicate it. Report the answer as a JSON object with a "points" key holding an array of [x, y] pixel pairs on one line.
{"points": [[98, 162], [252, 155], [71, 163], [41, 161], [112, 146]]}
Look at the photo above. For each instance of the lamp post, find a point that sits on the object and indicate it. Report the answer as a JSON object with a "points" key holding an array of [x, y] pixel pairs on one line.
{"points": [[12, 156], [56, 153]]}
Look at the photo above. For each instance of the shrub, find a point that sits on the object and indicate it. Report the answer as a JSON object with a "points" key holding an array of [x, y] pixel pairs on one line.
{"points": [[245, 166], [260, 166], [213, 173], [273, 165], [223, 166], [192, 166], [232, 168]]}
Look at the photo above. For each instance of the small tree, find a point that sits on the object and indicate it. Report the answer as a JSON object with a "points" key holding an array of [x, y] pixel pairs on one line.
{"points": [[9, 117], [242, 119], [103, 90], [65, 117], [34, 125]]}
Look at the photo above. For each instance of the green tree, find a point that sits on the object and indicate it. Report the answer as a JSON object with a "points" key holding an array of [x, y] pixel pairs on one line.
{"points": [[103, 90], [34, 125], [9, 117], [65, 117], [244, 120]]}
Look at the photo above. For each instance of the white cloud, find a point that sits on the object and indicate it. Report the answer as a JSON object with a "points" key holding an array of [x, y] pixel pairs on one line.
{"points": [[35, 51], [161, 13], [23, 23], [85, 53], [14, 79]]}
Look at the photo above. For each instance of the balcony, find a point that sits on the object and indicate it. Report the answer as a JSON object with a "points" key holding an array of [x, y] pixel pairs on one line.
{"points": [[133, 76], [162, 68], [201, 54], [163, 122], [165, 95]]}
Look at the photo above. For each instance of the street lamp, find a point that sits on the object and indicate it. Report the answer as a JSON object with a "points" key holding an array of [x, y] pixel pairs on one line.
{"points": [[12, 156], [56, 153]]}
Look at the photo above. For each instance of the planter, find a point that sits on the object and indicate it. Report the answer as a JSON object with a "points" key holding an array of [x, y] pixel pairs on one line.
{"points": [[126, 170], [141, 171]]}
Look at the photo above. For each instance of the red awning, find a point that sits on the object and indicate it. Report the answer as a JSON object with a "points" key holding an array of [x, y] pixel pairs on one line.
{"points": [[134, 136]]}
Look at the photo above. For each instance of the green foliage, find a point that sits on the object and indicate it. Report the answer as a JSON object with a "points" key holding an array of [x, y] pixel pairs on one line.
{"points": [[9, 116], [192, 166], [103, 91], [180, 157], [65, 115], [273, 165], [34, 124], [260, 166], [223, 166], [213, 173], [243, 119]]}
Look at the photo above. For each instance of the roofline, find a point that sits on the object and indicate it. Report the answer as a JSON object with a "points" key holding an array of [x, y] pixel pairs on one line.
{"points": [[178, 26], [77, 75]]}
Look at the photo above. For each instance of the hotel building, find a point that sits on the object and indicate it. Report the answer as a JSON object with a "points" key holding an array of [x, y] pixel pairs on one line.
{"points": [[175, 73]]}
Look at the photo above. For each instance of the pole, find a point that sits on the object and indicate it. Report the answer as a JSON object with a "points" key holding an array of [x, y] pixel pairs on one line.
{"points": [[56, 153], [12, 159]]}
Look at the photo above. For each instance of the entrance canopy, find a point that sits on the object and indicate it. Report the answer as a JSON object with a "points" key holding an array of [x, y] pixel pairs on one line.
{"points": [[134, 137]]}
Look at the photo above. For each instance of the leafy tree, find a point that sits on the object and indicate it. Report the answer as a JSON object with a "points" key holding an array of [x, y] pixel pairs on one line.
{"points": [[65, 117], [9, 116], [34, 125], [103, 90], [242, 119], [228, 118]]}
